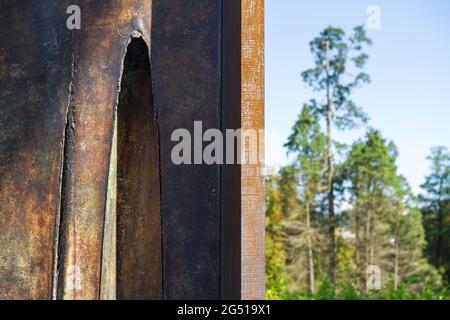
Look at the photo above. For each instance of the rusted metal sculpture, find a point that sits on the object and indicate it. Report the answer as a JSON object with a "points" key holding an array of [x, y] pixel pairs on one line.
{"points": [[147, 68]]}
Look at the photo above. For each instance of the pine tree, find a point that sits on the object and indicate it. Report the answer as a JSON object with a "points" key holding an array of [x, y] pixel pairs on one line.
{"points": [[288, 186], [293, 230], [275, 253], [371, 174], [307, 142], [334, 53], [436, 209], [411, 269], [386, 222]]}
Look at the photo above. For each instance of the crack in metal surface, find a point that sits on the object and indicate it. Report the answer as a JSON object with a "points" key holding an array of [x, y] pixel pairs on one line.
{"points": [[67, 145]]}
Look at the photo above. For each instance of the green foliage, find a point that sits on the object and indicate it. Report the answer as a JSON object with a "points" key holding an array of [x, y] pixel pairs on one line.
{"points": [[308, 143], [288, 190], [301, 231], [276, 282], [419, 280], [327, 291], [338, 60], [436, 209], [379, 222]]}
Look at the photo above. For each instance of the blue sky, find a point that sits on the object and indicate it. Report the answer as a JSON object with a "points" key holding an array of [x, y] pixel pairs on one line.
{"points": [[409, 97]]}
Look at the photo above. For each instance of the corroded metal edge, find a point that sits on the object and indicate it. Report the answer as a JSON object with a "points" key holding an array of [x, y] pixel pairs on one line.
{"points": [[252, 115]]}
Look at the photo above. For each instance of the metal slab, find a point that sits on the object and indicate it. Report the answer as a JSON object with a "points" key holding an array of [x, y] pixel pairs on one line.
{"points": [[59, 90]]}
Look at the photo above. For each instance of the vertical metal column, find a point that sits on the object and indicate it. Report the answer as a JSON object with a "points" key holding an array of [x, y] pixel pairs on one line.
{"points": [[252, 118], [59, 90]]}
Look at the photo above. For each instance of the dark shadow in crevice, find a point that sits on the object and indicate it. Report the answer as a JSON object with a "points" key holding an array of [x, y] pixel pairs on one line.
{"points": [[139, 255]]}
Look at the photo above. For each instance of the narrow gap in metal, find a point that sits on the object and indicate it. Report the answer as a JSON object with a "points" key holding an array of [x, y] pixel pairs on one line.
{"points": [[230, 176], [138, 207]]}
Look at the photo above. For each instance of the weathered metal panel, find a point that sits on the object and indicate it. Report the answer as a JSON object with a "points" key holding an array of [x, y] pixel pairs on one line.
{"points": [[186, 70], [58, 92], [252, 117], [108, 290], [34, 88], [42, 63], [98, 53]]}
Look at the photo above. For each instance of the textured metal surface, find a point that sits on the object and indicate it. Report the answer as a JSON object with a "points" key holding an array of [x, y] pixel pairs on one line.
{"points": [[59, 89], [109, 253], [252, 117], [186, 70], [34, 88], [139, 272], [58, 92], [98, 53]]}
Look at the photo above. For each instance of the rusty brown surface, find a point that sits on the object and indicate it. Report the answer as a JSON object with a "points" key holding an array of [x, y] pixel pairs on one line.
{"points": [[48, 72], [252, 117], [98, 53], [109, 253], [34, 78], [58, 92]]}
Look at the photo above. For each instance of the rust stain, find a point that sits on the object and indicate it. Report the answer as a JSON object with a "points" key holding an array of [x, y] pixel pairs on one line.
{"points": [[32, 115], [252, 117], [44, 255], [98, 61]]}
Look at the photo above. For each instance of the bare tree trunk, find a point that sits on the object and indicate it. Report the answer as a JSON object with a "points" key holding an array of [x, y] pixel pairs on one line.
{"points": [[397, 253], [357, 251], [330, 164], [371, 245], [440, 225], [312, 282], [396, 265], [368, 238]]}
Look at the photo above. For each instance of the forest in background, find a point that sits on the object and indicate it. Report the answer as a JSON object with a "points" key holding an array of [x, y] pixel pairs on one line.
{"points": [[340, 212]]}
